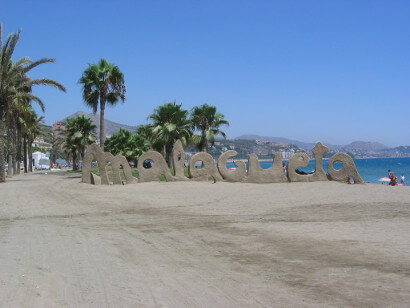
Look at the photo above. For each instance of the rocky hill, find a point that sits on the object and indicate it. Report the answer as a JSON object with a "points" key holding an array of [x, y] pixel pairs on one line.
{"points": [[110, 126], [364, 146]]}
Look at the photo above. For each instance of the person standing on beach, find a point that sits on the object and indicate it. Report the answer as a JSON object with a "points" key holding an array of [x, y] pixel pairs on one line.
{"points": [[402, 179]]}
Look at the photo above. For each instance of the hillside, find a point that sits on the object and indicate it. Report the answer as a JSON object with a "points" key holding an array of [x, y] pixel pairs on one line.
{"points": [[110, 126], [304, 145], [364, 146], [356, 148]]}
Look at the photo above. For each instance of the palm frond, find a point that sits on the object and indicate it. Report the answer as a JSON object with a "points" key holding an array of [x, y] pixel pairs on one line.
{"points": [[37, 63], [48, 82]]}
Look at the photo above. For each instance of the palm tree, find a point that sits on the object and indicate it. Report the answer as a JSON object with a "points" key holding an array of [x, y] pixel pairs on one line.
{"points": [[102, 83], [169, 123], [207, 120], [80, 132], [127, 144], [33, 129], [15, 86]]}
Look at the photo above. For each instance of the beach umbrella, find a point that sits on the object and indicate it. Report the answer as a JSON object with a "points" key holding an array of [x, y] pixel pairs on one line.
{"points": [[385, 179]]}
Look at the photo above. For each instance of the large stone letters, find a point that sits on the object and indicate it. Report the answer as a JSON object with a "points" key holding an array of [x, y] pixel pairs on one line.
{"points": [[301, 160], [116, 163], [348, 169], [234, 175], [158, 167], [274, 174], [94, 152], [208, 168], [178, 161]]}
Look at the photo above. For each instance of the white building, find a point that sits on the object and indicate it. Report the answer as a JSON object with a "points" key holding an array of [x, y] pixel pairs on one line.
{"points": [[40, 160]]}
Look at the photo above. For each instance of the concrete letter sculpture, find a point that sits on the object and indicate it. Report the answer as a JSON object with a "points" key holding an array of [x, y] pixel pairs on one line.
{"points": [[158, 167], [255, 174], [208, 168], [348, 169], [94, 152], [178, 160], [301, 160], [116, 163], [274, 174], [236, 175]]}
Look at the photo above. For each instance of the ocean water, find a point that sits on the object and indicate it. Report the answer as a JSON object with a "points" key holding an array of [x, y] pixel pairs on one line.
{"points": [[370, 169]]}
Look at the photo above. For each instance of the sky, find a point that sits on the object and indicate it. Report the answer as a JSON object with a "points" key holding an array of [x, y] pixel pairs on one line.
{"points": [[330, 71]]}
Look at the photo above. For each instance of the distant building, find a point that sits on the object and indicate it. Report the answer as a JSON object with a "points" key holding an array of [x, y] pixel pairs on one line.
{"points": [[261, 150], [287, 154], [40, 143], [263, 142]]}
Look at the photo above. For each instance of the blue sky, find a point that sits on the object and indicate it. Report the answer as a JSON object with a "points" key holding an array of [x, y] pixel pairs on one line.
{"points": [[334, 71]]}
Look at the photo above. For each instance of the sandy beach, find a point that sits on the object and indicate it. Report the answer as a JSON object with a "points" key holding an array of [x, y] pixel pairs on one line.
{"points": [[190, 244]]}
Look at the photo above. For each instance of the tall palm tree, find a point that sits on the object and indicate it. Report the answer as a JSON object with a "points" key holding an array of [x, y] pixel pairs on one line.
{"points": [[207, 120], [102, 83], [24, 121], [16, 85], [169, 123], [80, 132], [33, 130]]}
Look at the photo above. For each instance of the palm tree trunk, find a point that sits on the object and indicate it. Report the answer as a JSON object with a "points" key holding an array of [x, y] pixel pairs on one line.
{"points": [[2, 174], [74, 160], [10, 151], [10, 166], [30, 156], [102, 112], [12, 146], [25, 154], [18, 156], [168, 156]]}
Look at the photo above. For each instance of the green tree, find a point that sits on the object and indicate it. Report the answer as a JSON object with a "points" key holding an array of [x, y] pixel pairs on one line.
{"points": [[15, 87], [127, 144], [80, 132], [103, 83], [207, 121], [169, 123]]}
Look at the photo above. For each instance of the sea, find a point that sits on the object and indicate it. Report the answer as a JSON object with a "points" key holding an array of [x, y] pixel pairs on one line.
{"points": [[370, 169]]}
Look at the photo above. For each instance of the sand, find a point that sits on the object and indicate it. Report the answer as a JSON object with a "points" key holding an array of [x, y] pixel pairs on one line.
{"points": [[64, 243]]}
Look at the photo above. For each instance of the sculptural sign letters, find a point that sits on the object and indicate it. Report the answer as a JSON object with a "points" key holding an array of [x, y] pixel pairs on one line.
{"points": [[255, 174]]}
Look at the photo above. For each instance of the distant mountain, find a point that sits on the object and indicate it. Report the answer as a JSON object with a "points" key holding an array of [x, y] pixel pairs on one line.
{"points": [[356, 146], [303, 145], [110, 126], [364, 146]]}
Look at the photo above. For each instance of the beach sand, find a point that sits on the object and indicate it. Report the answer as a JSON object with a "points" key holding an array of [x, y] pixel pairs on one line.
{"points": [[190, 244]]}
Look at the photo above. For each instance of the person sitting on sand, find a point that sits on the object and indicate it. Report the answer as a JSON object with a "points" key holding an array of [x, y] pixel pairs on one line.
{"points": [[393, 179]]}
